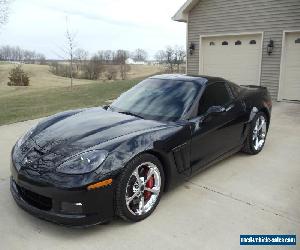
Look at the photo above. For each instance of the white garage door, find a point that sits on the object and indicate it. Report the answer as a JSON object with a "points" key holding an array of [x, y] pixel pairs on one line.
{"points": [[236, 58], [291, 67]]}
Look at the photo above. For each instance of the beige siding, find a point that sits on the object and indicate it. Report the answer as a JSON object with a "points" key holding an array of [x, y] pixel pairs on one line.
{"points": [[238, 16]]}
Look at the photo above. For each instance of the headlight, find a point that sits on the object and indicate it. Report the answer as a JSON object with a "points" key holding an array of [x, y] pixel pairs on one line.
{"points": [[24, 137], [83, 163]]}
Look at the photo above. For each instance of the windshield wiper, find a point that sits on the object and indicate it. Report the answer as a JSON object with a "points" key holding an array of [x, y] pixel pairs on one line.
{"points": [[129, 113]]}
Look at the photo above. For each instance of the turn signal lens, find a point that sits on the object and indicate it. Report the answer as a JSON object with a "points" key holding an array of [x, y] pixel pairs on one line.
{"points": [[100, 184]]}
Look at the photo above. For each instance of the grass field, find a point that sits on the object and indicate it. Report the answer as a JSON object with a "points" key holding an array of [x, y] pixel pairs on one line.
{"points": [[44, 102], [49, 94], [40, 77]]}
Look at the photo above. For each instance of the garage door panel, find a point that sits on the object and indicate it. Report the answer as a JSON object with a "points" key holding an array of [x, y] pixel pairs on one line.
{"points": [[292, 73], [293, 51], [292, 60], [251, 58], [232, 77], [238, 63], [229, 69], [291, 67], [232, 59]]}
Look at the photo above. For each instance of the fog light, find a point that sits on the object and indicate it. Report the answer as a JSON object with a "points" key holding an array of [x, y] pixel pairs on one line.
{"points": [[71, 208]]}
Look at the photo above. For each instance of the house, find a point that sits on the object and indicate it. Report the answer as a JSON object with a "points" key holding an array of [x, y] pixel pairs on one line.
{"points": [[248, 42], [132, 61]]}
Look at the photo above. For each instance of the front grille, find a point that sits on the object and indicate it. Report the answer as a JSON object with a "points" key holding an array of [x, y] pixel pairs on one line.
{"points": [[34, 199]]}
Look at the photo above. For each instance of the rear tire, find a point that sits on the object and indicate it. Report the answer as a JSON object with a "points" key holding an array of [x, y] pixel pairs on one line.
{"points": [[257, 135], [139, 188]]}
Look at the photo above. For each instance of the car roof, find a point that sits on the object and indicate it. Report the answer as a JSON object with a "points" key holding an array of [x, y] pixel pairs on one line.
{"points": [[201, 79]]}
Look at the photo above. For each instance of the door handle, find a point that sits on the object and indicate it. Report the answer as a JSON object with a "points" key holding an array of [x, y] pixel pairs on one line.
{"points": [[229, 107]]}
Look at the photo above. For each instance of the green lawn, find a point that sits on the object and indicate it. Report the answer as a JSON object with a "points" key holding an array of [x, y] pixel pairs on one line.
{"points": [[24, 105]]}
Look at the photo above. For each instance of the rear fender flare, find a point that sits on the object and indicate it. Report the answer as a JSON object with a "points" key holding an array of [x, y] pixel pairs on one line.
{"points": [[252, 114]]}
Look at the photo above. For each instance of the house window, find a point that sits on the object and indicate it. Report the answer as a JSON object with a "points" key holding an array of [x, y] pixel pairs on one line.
{"points": [[211, 44], [297, 40], [252, 42], [224, 43], [238, 42]]}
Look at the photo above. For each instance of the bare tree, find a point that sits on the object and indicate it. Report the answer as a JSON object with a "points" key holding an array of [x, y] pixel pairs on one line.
{"points": [[172, 57], [70, 48], [67, 53], [4, 8], [41, 59], [179, 57], [80, 58], [9, 53], [120, 58], [96, 67], [139, 55], [108, 56], [160, 56]]}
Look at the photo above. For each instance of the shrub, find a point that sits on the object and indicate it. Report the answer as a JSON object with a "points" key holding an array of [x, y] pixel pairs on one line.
{"points": [[124, 69], [17, 77], [111, 73]]}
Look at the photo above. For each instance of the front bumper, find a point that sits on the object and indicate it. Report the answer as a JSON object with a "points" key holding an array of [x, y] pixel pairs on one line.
{"points": [[77, 208]]}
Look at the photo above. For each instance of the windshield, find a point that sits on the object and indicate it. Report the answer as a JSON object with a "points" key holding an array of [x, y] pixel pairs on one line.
{"points": [[157, 99]]}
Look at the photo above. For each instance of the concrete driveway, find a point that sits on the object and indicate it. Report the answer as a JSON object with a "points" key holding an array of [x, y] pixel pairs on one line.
{"points": [[241, 195]]}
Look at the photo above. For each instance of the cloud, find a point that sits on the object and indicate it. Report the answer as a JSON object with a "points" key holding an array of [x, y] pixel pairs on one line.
{"points": [[97, 17], [99, 24]]}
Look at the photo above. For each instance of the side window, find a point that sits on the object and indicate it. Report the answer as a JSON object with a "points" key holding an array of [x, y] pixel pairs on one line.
{"points": [[215, 94], [235, 89]]}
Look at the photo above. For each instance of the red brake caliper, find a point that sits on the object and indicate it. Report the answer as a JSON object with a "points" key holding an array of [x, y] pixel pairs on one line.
{"points": [[149, 184]]}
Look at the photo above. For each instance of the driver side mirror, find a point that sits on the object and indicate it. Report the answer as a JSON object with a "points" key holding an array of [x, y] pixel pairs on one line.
{"points": [[213, 110]]}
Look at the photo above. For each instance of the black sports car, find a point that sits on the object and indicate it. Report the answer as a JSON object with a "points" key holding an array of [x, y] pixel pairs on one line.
{"points": [[83, 167]]}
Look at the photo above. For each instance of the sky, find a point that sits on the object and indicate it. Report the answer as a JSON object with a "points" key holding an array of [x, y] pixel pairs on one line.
{"points": [[40, 25]]}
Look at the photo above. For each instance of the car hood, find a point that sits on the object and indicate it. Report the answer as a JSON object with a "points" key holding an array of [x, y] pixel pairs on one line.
{"points": [[60, 136], [83, 130]]}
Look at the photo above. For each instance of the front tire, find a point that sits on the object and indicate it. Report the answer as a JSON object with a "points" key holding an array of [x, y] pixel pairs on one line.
{"points": [[256, 138], [140, 187]]}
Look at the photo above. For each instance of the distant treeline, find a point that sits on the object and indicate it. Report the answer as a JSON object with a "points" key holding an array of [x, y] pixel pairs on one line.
{"points": [[111, 64], [16, 54], [104, 64]]}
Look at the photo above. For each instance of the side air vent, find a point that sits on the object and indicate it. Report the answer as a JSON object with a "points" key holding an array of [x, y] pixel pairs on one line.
{"points": [[181, 156]]}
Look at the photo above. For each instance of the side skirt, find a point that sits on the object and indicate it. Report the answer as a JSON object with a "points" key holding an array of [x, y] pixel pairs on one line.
{"points": [[220, 158]]}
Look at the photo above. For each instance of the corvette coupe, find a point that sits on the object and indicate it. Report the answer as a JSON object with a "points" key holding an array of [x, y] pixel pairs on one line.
{"points": [[84, 167]]}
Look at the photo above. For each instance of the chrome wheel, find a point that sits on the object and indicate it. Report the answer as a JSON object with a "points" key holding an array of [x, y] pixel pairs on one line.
{"points": [[143, 188], [259, 133]]}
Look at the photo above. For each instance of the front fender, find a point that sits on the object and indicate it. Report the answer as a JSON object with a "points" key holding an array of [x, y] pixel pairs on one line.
{"points": [[160, 143], [122, 150]]}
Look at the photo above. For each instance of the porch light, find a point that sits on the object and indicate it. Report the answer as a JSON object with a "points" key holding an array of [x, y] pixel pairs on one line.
{"points": [[270, 47], [191, 48]]}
